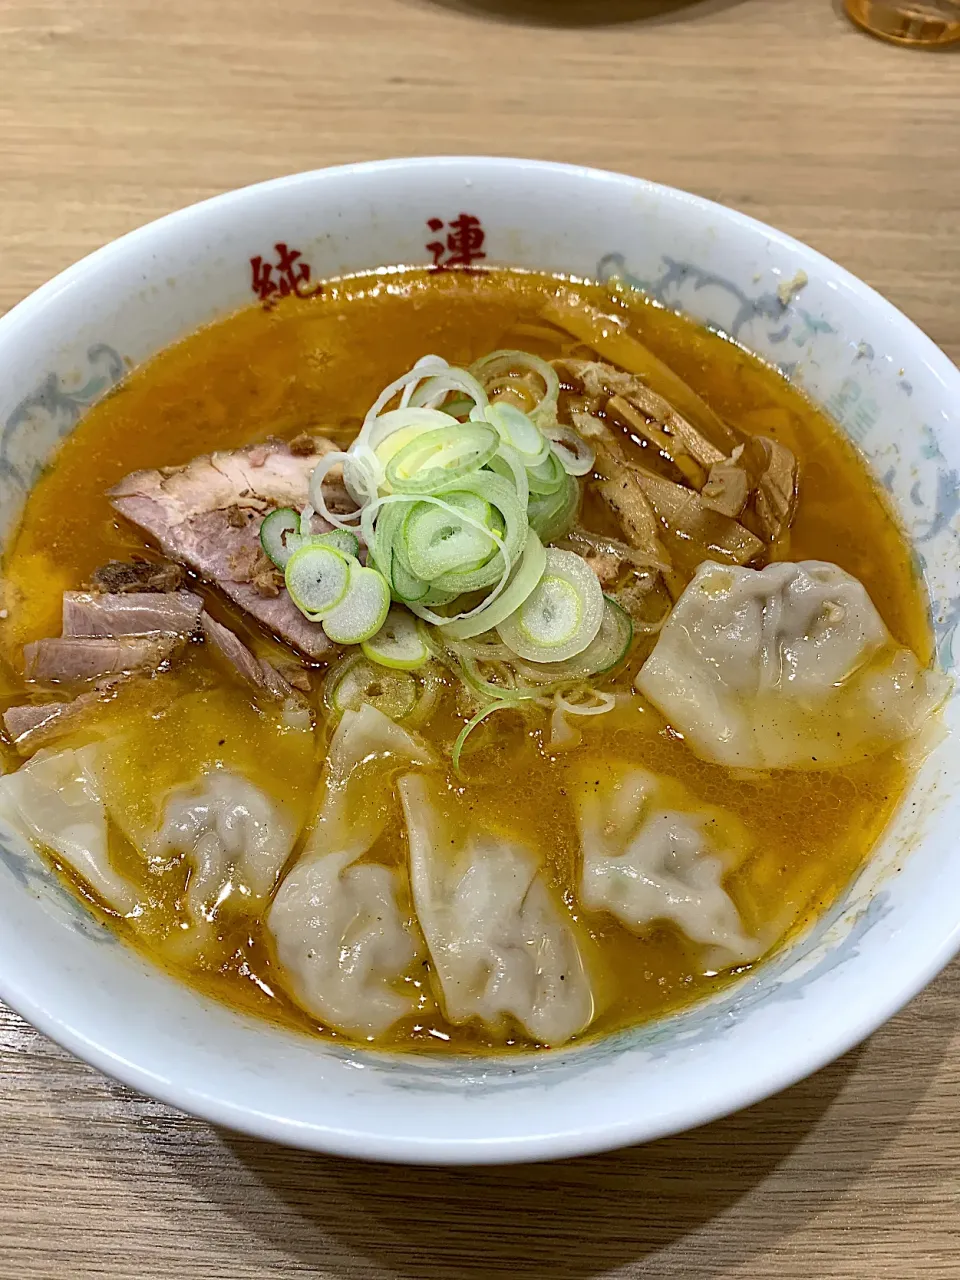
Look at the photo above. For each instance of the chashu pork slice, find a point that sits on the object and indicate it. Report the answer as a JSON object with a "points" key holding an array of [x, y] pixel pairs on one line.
{"points": [[207, 515], [73, 659], [255, 671], [90, 613], [31, 724]]}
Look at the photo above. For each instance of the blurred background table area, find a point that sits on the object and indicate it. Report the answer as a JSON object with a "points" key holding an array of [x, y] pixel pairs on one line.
{"points": [[113, 112]]}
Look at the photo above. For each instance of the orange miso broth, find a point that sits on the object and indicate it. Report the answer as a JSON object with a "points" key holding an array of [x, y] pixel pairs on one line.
{"points": [[316, 366]]}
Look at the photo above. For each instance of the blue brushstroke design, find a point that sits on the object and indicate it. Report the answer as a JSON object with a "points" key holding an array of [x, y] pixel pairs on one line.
{"points": [[766, 305], [56, 402]]}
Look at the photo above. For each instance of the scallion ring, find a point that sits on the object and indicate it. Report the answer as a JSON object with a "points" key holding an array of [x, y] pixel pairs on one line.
{"points": [[317, 579], [426, 367], [524, 579], [576, 456], [355, 681], [399, 644], [561, 615], [362, 611], [604, 702]]}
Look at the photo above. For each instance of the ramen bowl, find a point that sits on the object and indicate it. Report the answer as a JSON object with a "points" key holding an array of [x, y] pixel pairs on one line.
{"points": [[881, 380]]}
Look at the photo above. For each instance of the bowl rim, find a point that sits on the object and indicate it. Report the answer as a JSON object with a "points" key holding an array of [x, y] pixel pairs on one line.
{"points": [[803, 1059]]}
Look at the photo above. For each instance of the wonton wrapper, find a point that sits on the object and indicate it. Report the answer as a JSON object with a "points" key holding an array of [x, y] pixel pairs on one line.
{"points": [[789, 667], [55, 800], [235, 838], [644, 861], [499, 942], [342, 940]]}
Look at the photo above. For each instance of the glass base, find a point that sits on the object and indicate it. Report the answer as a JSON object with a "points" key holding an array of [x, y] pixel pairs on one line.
{"points": [[911, 22]]}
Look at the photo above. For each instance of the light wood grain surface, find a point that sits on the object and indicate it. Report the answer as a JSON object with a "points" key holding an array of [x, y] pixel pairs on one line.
{"points": [[115, 111]]}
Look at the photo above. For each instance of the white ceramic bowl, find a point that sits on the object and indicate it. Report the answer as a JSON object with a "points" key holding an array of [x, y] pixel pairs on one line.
{"points": [[877, 375]]}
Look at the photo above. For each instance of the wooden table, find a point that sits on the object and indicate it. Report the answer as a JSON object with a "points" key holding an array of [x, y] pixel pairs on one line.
{"points": [[115, 111]]}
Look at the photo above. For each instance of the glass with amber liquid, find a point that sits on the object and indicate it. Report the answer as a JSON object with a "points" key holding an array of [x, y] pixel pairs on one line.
{"points": [[916, 22]]}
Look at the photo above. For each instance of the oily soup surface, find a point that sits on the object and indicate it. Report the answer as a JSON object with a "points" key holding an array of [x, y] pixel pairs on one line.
{"points": [[317, 365]]}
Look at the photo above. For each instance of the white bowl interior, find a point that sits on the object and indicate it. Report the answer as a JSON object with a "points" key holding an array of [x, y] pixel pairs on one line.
{"points": [[894, 393]]}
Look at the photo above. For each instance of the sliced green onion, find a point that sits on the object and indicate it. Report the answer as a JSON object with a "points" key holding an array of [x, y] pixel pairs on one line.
{"points": [[281, 538], [516, 430], [398, 430], [359, 476], [560, 616], [469, 727], [378, 525], [397, 427], [495, 673], [280, 535], [456, 512], [391, 442], [431, 685], [453, 583], [438, 541], [355, 681], [475, 506], [526, 575], [435, 390], [317, 579], [440, 456], [608, 648], [343, 540], [405, 385], [611, 643], [399, 643], [603, 703], [491, 368], [576, 456], [554, 616], [459, 407], [554, 514], [406, 586], [509, 465], [548, 477], [510, 531], [362, 477], [483, 647], [438, 598], [362, 610], [497, 681]]}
